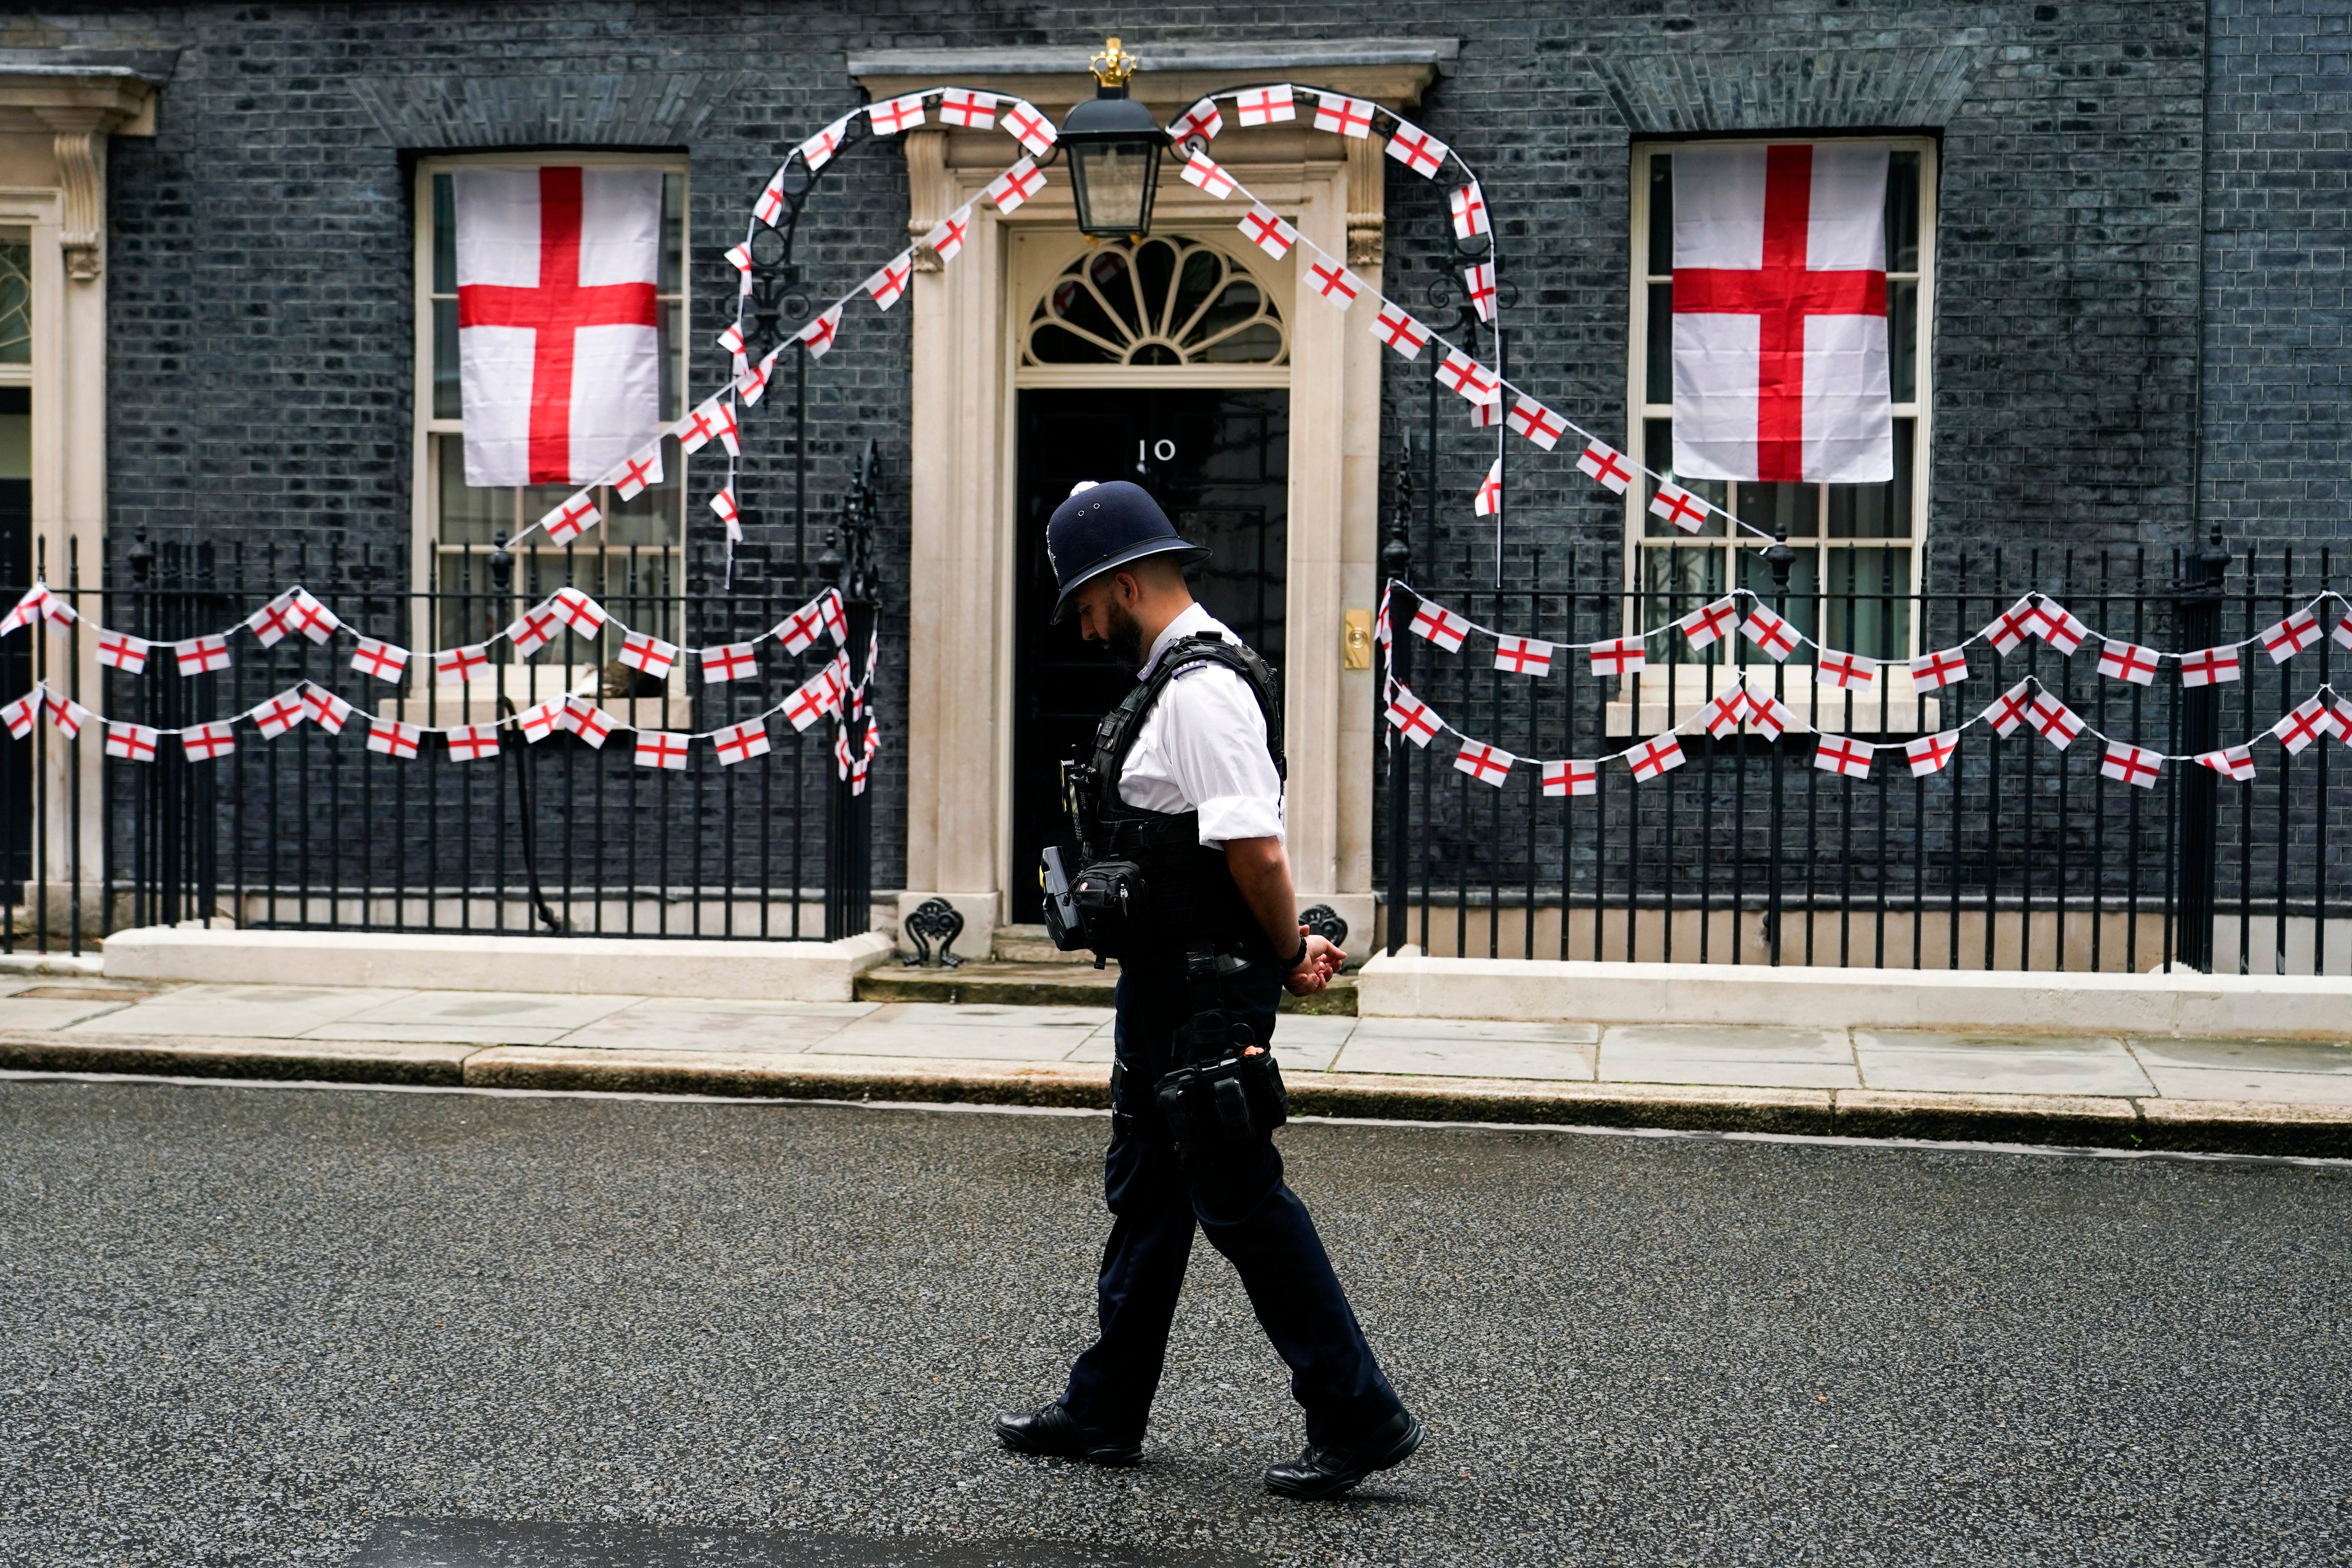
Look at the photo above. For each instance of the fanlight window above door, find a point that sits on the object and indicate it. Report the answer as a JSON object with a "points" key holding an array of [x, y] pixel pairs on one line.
{"points": [[1163, 301]]}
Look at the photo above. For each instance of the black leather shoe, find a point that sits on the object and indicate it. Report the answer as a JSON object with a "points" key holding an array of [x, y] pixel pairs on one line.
{"points": [[1328, 1471], [1054, 1431]]}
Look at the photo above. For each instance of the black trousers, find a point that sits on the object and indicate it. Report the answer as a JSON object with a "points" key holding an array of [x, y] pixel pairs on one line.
{"points": [[1158, 1194]]}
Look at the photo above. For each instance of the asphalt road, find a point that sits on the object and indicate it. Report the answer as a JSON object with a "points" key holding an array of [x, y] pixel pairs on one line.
{"points": [[264, 1326]]}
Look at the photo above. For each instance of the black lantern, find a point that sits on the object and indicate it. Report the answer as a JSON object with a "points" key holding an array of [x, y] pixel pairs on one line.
{"points": [[1114, 145]]}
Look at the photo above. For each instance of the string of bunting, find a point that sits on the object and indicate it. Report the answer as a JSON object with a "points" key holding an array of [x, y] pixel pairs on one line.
{"points": [[2037, 614], [830, 693]]}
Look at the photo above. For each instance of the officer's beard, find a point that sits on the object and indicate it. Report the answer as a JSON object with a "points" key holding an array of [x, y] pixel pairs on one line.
{"points": [[1123, 634]]}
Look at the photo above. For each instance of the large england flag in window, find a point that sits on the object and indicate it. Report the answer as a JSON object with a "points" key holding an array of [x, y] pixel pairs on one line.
{"points": [[1779, 327], [557, 343]]}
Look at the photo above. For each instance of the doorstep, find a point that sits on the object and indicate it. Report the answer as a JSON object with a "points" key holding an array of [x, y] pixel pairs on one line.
{"points": [[1047, 985]]}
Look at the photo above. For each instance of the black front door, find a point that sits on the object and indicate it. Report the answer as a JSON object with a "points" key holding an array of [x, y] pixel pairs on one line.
{"points": [[1219, 461]]}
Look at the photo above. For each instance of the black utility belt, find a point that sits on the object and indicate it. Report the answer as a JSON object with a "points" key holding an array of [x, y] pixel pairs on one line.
{"points": [[1232, 1100]]}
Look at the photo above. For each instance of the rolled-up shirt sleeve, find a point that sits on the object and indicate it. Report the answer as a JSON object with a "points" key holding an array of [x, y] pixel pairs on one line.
{"points": [[1215, 748]]}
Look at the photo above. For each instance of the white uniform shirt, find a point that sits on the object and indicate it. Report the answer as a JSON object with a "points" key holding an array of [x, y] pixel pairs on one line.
{"points": [[1203, 746]]}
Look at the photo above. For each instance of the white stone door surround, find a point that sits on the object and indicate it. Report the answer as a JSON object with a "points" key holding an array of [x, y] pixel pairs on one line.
{"points": [[967, 320]]}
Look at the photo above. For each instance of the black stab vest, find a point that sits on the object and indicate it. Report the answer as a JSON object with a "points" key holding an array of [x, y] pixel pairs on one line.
{"points": [[1194, 901]]}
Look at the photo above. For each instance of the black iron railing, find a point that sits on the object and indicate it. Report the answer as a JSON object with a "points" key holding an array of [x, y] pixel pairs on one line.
{"points": [[313, 829], [2017, 855]]}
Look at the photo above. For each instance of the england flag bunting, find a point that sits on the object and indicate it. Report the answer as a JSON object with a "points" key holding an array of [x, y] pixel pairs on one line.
{"points": [[1473, 382], [2343, 632], [751, 383], [1479, 284], [1605, 464], [1841, 754], [644, 651], [728, 661], [1264, 106], [1201, 119], [2307, 724], [202, 655], [324, 709], [664, 749], [1931, 671], [24, 609], [1538, 424], [888, 285], [893, 115], [120, 650], [818, 150], [811, 700], [1679, 507], [1620, 657], [1030, 126], [311, 618], [585, 719], [740, 742], [268, 623], [1659, 755], [577, 514], [945, 240], [2290, 636], [1417, 150], [135, 742], [1488, 765], [2133, 764], [2209, 667], [19, 715], [2234, 762], [67, 714], [455, 666], [819, 336], [1469, 206], [1928, 753], [207, 742], [1267, 231], [724, 503], [473, 742], [1333, 282], [1488, 502], [1394, 327], [1415, 718], [1769, 631], [2013, 625], [1570, 777], [2054, 623], [1845, 671], [383, 661], [2127, 661], [1523, 656], [802, 627], [1769, 716], [769, 206], [1485, 415], [710, 421], [2009, 710], [393, 738], [1722, 715], [1440, 626], [583, 615], [829, 606], [1016, 185], [1202, 169], [2055, 721], [643, 467], [1710, 623], [1343, 115], [533, 630], [972, 110], [280, 713]]}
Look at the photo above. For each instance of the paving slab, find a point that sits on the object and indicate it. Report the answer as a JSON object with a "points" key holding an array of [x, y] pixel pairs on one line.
{"points": [[1432, 1047], [984, 1034], [1709, 1053], [2266, 1088], [253, 1012], [1936, 1062], [473, 1017], [703, 1023], [2248, 1056], [50, 1013]]}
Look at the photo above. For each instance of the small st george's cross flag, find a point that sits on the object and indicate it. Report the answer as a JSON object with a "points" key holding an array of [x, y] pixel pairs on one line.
{"points": [[1779, 295], [558, 355]]}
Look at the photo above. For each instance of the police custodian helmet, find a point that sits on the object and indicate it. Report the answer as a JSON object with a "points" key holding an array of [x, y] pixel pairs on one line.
{"points": [[1102, 528]]}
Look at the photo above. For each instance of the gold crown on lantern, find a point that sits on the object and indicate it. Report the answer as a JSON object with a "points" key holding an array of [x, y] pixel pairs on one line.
{"points": [[1113, 66]]}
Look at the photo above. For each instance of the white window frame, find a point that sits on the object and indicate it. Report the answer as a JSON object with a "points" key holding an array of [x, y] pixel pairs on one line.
{"points": [[537, 562], [1893, 707]]}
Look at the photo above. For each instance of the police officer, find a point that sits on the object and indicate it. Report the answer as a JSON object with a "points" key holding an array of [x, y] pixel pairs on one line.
{"points": [[1193, 797]]}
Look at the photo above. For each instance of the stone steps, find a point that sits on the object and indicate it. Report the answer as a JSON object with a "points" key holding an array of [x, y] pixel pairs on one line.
{"points": [[1061, 983]]}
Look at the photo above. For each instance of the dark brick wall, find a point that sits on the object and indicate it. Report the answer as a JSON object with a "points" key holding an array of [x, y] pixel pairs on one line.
{"points": [[260, 268], [2278, 235]]}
